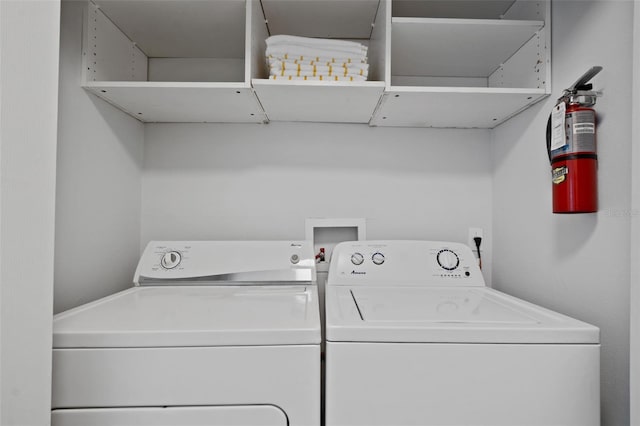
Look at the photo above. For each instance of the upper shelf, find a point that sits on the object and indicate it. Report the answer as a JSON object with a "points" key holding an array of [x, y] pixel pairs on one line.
{"points": [[455, 47], [469, 9], [432, 63], [324, 101], [444, 107], [333, 102], [344, 19], [171, 60], [151, 101], [465, 64], [181, 29]]}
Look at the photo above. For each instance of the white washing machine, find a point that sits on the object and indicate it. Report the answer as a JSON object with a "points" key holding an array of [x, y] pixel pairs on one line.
{"points": [[414, 337], [213, 333]]}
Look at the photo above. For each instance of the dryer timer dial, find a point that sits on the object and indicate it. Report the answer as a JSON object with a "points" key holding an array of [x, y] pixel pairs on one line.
{"points": [[171, 259]]}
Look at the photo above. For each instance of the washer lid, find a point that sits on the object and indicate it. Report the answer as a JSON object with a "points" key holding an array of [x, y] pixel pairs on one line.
{"points": [[445, 315], [193, 316]]}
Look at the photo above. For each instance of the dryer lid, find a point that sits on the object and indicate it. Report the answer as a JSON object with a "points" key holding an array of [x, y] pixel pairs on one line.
{"points": [[445, 315], [193, 316]]}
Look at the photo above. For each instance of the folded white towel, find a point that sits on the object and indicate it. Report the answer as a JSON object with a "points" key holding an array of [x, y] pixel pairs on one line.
{"points": [[323, 43], [276, 68], [299, 52], [318, 78], [304, 58], [310, 64], [317, 60], [314, 73]]}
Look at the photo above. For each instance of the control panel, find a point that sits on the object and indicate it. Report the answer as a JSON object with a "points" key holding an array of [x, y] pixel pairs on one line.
{"points": [[177, 262], [408, 263]]}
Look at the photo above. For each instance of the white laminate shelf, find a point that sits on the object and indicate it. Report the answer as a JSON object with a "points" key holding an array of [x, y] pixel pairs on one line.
{"points": [[181, 102], [455, 107], [447, 50], [332, 101], [181, 28], [455, 47], [343, 19]]}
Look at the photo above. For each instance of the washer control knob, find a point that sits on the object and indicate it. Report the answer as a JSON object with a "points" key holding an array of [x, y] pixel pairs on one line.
{"points": [[448, 259], [171, 259], [295, 259], [378, 258], [357, 258]]}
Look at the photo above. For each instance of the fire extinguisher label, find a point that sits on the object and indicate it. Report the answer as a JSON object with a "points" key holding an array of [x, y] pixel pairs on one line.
{"points": [[581, 128], [581, 132], [559, 174], [558, 137]]}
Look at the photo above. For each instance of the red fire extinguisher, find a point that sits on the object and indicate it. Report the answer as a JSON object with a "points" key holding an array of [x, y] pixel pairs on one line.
{"points": [[571, 146]]}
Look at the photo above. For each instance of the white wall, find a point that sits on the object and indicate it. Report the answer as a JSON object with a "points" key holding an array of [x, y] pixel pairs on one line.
{"points": [[29, 37], [224, 181], [576, 264], [99, 183], [634, 355]]}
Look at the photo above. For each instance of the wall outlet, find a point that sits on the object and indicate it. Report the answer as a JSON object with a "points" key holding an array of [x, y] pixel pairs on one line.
{"points": [[475, 232]]}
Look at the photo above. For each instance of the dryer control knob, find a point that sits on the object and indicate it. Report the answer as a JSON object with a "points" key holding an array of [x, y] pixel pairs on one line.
{"points": [[448, 259], [171, 259], [378, 258], [357, 258]]}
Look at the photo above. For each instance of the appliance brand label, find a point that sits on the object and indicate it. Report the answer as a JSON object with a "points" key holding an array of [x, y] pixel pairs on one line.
{"points": [[358, 273]]}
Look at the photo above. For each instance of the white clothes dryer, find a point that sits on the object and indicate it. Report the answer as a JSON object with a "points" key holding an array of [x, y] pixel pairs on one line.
{"points": [[414, 337], [213, 333]]}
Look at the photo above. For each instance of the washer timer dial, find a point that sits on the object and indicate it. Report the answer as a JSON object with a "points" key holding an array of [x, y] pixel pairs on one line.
{"points": [[378, 258], [448, 259]]}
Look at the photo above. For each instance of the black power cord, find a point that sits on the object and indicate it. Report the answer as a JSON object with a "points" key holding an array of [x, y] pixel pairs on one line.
{"points": [[478, 240]]}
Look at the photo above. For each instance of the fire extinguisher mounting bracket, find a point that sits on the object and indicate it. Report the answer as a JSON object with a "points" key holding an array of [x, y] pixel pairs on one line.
{"points": [[585, 78], [580, 92]]}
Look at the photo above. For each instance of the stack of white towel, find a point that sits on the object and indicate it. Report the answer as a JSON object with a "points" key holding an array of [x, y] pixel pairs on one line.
{"points": [[303, 58]]}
